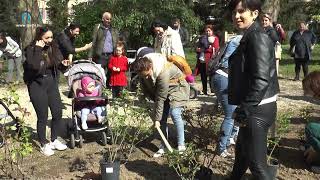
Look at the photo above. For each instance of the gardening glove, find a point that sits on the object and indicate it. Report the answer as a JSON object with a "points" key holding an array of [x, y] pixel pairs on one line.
{"points": [[190, 78], [157, 124]]}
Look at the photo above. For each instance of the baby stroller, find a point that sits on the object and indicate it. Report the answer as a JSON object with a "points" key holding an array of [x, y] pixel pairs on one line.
{"points": [[78, 70]]}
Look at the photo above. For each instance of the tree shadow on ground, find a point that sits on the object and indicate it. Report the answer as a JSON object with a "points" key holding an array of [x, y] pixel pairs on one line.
{"points": [[302, 98], [290, 61], [289, 154], [151, 170], [206, 98], [91, 176], [300, 120]]}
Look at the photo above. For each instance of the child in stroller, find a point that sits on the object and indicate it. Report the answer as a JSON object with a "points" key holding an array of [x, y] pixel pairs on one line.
{"points": [[89, 89], [79, 70]]}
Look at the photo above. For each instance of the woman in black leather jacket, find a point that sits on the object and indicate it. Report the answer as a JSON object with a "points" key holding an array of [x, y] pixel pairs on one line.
{"points": [[253, 87]]}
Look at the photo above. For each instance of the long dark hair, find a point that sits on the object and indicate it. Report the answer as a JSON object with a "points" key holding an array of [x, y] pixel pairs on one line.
{"points": [[40, 31], [158, 23], [5, 42]]}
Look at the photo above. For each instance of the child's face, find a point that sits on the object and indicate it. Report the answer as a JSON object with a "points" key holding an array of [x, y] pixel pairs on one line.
{"points": [[119, 51], [90, 87]]}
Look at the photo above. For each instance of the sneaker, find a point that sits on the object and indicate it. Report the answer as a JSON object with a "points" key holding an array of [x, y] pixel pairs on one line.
{"points": [[181, 149], [231, 141], [84, 126], [159, 153], [56, 144], [225, 153], [47, 150]]}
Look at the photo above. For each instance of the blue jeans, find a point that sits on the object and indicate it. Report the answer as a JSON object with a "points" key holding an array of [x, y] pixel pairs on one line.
{"points": [[176, 115], [228, 130], [99, 111]]}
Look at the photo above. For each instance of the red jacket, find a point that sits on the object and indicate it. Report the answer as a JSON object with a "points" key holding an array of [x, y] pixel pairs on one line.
{"points": [[118, 78]]}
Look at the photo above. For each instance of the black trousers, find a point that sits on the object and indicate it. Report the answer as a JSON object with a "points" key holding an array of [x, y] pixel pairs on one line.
{"points": [[116, 91], [251, 147], [44, 93], [298, 63], [204, 77]]}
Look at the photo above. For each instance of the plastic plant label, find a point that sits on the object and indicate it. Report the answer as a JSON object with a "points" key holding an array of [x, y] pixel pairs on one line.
{"points": [[109, 170]]}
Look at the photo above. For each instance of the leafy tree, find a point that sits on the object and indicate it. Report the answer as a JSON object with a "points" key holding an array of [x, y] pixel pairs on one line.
{"points": [[58, 13], [134, 17], [272, 7], [8, 16]]}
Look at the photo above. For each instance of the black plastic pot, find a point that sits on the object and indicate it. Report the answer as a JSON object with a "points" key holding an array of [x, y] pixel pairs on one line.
{"points": [[204, 173], [110, 171], [273, 168]]}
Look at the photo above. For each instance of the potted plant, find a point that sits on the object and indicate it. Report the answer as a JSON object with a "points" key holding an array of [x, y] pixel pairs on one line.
{"points": [[128, 127], [283, 121]]}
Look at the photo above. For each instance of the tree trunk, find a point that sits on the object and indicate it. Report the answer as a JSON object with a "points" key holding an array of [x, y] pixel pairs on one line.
{"points": [[272, 7], [28, 30]]}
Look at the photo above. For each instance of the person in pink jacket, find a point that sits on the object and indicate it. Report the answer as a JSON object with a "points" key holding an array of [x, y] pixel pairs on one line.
{"points": [[90, 89], [118, 65]]}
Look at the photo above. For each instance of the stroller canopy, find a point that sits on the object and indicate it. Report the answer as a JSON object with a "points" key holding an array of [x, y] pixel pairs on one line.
{"points": [[82, 68]]}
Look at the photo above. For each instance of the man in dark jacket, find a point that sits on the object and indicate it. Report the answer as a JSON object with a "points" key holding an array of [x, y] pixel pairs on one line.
{"points": [[301, 44], [184, 35], [104, 39], [66, 40]]}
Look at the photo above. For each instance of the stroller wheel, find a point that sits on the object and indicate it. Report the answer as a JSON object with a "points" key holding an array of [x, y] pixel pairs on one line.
{"points": [[72, 141], [80, 141], [104, 139]]}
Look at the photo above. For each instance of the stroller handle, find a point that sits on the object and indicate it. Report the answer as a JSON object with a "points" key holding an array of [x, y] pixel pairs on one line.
{"points": [[82, 61], [95, 98]]}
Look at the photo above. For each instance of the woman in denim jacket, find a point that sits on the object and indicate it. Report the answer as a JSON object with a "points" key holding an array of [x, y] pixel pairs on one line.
{"points": [[219, 81]]}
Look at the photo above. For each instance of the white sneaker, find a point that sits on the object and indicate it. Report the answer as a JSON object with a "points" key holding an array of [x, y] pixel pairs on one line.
{"points": [[232, 142], [84, 126], [225, 153], [181, 149], [47, 150], [159, 153], [56, 144]]}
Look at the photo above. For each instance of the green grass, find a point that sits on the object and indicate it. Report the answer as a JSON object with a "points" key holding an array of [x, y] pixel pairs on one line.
{"points": [[286, 68], [287, 65], [191, 57]]}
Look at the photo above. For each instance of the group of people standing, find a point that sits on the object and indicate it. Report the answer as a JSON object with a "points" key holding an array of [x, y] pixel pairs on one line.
{"points": [[245, 83]]}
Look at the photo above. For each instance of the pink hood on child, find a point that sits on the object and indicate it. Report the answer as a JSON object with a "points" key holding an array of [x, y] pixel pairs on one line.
{"points": [[85, 81]]}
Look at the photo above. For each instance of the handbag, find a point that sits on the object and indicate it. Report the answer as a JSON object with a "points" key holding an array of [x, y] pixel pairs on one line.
{"points": [[215, 62], [278, 50], [292, 51]]}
